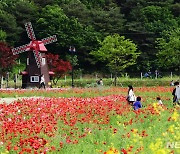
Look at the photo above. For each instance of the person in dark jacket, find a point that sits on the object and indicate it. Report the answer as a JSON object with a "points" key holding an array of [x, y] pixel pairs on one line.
{"points": [[174, 93]]}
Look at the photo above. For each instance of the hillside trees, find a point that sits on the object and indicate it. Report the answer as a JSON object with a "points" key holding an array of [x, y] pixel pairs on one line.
{"points": [[69, 32], [8, 27], [13, 15], [147, 19], [105, 19], [155, 19], [100, 21], [169, 50], [83, 23]]}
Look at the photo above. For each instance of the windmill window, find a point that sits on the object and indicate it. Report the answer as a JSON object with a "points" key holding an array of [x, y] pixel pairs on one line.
{"points": [[34, 79], [27, 61], [43, 61]]}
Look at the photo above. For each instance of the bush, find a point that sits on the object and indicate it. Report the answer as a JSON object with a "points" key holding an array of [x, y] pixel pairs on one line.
{"points": [[121, 82]]}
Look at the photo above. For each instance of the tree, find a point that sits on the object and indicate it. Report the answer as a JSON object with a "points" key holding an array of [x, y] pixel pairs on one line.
{"points": [[157, 19], [18, 67], [68, 31], [25, 11], [7, 59], [8, 24], [108, 20], [58, 66], [169, 50], [147, 19], [43, 3], [117, 52]]}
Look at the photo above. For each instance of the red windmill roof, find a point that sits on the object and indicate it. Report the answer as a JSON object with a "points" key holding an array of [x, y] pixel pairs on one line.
{"points": [[37, 44], [23, 73]]}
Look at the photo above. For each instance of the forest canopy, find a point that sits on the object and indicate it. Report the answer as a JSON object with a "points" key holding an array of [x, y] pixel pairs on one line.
{"points": [[152, 25]]}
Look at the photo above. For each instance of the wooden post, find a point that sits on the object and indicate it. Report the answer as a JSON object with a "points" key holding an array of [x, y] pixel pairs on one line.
{"points": [[65, 78], [171, 75], [141, 75], [7, 80], [111, 76], [2, 82], [81, 76], [96, 77], [156, 75]]}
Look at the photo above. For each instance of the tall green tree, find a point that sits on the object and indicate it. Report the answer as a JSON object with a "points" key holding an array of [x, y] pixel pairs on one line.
{"points": [[157, 19], [169, 50], [107, 21], [54, 21], [43, 3], [147, 19], [25, 11], [9, 26], [117, 52], [69, 32]]}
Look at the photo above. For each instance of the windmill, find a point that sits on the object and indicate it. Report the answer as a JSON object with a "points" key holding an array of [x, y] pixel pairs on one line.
{"points": [[36, 61]]}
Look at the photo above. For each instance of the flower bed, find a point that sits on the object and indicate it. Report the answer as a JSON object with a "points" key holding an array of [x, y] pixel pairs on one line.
{"points": [[103, 124]]}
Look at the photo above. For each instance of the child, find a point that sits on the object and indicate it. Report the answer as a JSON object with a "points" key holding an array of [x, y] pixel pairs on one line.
{"points": [[159, 101], [137, 104]]}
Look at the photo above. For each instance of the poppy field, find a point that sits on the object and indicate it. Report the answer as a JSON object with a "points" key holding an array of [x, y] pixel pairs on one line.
{"points": [[89, 121]]}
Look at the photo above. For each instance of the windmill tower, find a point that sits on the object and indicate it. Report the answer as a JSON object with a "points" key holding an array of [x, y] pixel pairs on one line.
{"points": [[36, 63]]}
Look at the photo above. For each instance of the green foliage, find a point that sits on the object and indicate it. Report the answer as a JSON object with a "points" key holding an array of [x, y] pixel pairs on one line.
{"points": [[158, 19], [176, 9], [8, 24], [117, 52], [43, 3], [73, 60], [3, 35], [69, 31], [107, 21], [25, 11], [83, 22], [18, 67], [169, 49]]}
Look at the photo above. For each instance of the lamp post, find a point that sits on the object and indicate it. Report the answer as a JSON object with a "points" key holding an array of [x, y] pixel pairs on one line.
{"points": [[72, 50]]}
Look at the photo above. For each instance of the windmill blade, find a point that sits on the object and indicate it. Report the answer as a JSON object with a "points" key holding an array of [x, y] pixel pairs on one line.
{"points": [[20, 49], [38, 58], [49, 40], [30, 31]]}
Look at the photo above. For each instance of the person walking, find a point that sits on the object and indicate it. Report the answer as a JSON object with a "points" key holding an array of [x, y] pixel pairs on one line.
{"points": [[176, 93], [42, 81], [131, 98]]}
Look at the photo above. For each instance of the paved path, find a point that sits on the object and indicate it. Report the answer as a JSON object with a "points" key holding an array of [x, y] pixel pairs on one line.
{"points": [[12, 99]]}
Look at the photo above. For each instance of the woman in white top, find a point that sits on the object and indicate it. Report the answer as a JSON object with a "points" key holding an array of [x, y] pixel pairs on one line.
{"points": [[42, 81], [131, 96]]}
